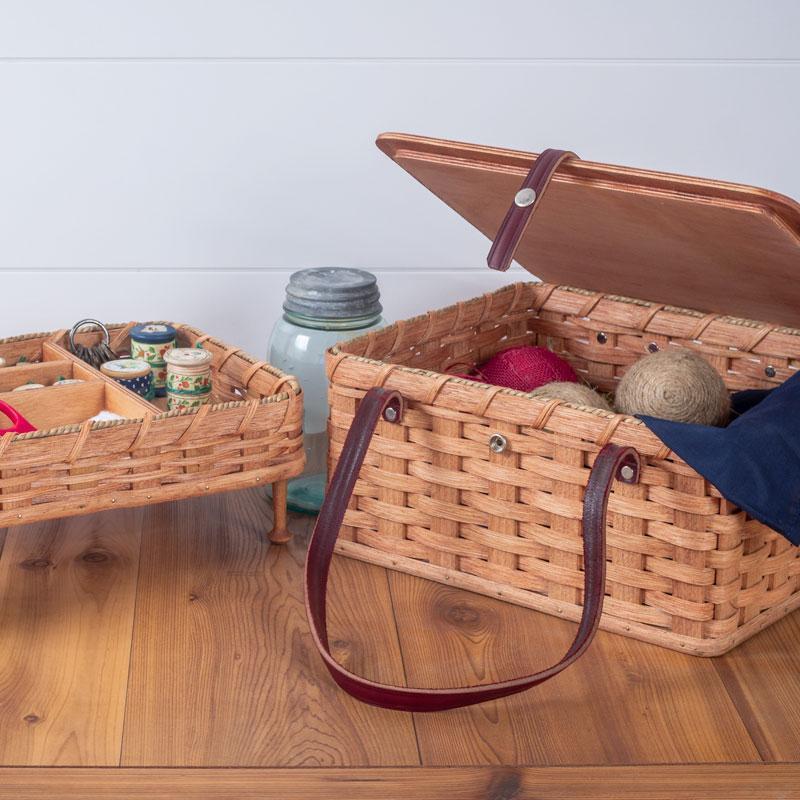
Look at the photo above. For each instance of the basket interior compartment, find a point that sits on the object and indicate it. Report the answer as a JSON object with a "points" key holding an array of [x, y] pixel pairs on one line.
{"points": [[56, 406], [51, 366], [458, 338], [233, 378]]}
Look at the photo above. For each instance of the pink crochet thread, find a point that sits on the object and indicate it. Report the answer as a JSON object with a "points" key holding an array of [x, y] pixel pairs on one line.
{"points": [[524, 368]]}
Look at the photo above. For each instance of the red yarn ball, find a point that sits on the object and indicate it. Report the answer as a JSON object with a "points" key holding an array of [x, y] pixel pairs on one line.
{"points": [[526, 368]]}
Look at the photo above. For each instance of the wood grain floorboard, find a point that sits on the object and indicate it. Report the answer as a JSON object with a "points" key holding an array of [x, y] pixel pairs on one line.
{"points": [[223, 669], [763, 678], [623, 702], [719, 782], [67, 597]]}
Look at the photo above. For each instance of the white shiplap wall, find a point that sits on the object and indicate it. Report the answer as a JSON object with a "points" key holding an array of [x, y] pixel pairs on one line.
{"points": [[178, 159]]}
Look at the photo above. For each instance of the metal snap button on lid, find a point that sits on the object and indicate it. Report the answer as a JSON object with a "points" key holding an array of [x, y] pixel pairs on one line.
{"points": [[524, 198]]}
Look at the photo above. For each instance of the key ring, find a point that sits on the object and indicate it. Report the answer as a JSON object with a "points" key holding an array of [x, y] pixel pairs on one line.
{"points": [[96, 354]]}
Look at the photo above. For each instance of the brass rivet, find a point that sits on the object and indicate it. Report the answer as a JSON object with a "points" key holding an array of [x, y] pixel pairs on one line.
{"points": [[498, 443], [602, 337], [113, 499]]}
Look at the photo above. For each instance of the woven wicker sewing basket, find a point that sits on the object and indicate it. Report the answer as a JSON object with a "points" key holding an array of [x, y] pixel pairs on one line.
{"points": [[685, 568]]}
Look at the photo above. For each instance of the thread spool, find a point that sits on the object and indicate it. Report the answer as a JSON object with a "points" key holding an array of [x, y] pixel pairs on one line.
{"points": [[29, 385], [575, 393], [188, 377], [151, 341], [676, 385], [133, 373]]}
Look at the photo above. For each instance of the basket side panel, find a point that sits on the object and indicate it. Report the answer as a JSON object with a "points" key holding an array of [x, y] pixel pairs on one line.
{"points": [[684, 566]]}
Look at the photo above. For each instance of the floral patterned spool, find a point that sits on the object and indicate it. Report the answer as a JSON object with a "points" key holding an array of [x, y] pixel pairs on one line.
{"points": [[188, 377], [133, 373], [151, 342]]}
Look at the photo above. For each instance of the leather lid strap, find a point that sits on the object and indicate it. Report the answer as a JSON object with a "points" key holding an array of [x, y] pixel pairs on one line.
{"points": [[612, 461], [519, 215]]}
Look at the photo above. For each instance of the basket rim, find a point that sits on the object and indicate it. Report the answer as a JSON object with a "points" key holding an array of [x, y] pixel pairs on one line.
{"points": [[337, 351]]}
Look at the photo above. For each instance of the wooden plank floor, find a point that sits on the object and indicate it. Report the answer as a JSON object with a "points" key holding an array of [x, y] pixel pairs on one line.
{"points": [[172, 639]]}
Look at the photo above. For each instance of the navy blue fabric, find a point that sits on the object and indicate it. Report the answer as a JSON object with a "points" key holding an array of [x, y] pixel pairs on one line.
{"points": [[745, 400], [755, 460]]}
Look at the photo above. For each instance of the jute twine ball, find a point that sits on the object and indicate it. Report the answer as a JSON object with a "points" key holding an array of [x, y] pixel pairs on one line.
{"points": [[676, 385], [576, 393]]}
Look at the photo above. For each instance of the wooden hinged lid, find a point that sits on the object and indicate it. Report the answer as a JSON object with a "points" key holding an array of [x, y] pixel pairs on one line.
{"points": [[688, 242]]}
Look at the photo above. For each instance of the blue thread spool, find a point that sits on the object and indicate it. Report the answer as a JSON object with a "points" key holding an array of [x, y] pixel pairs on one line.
{"points": [[133, 373], [151, 342]]}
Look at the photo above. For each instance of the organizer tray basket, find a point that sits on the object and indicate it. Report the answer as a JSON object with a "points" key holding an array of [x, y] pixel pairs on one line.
{"points": [[248, 434]]}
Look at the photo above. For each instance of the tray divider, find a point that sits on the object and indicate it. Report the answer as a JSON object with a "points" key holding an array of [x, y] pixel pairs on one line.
{"points": [[144, 406]]}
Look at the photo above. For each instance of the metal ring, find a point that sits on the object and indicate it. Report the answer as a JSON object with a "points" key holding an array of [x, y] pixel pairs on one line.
{"points": [[78, 325]]}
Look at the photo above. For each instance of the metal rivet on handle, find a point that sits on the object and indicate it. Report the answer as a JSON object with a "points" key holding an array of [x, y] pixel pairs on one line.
{"points": [[390, 414], [770, 371], [627, 473], [524, 198], [602, 337], [498, 443], [652, 347]]}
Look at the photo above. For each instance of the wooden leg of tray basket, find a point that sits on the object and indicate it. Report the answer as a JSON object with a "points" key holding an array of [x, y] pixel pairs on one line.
{"points": [[280, 532]]}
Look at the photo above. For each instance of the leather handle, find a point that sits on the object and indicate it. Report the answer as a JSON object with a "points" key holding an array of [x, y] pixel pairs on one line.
{"points": [[18, 423], [612, 461], [525, 203]]}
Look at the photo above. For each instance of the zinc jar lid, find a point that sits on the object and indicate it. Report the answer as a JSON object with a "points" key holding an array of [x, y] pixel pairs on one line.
{"points": [[191, 357], [125, 368], [333, 293], [153, 332]]}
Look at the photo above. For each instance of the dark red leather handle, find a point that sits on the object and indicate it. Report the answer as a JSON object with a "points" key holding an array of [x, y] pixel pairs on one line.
{"points": [[612, 461], [525, 202]]}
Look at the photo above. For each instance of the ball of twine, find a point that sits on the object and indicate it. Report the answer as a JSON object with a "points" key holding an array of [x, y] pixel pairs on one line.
{"points": [[576, 393], [676, 385]]}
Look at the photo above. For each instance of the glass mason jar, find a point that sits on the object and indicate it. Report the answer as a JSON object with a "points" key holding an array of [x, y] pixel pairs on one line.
{"points": [[323, 306]]}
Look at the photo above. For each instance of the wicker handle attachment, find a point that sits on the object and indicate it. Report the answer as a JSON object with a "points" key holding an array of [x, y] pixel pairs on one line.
{"points": [[525, 203], [612, 462], [18, 423]]}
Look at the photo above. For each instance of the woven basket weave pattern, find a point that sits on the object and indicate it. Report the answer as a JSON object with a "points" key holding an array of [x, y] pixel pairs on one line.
{"points": [[250, 433], [686, 569]]}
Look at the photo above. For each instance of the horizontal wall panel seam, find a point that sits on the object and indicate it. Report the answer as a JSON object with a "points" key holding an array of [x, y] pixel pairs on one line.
{"points": [[368, 60]]}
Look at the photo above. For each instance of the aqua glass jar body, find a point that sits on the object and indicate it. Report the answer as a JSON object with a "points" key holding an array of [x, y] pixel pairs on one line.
{"points": [[297, 346]]}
